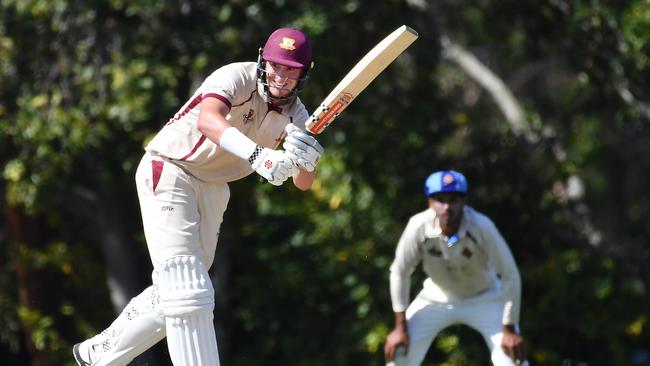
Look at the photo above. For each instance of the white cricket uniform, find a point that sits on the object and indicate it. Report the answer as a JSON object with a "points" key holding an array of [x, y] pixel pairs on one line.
{"points": [[181, 155], [182, 184], [474, 281]]}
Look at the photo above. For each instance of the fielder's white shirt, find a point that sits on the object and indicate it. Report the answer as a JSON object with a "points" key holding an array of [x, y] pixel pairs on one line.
{"points": [[457, 272], [181, 142]]}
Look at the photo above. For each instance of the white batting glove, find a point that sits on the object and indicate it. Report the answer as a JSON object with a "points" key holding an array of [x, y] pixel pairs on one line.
{"points": [[274, 165], [302, 148]]}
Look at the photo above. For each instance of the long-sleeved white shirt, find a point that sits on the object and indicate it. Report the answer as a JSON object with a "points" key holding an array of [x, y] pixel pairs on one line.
{"points": [[459, 271]]}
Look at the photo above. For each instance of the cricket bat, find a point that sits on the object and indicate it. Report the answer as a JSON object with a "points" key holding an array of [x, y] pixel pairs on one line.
{"points": [[361, 75]]}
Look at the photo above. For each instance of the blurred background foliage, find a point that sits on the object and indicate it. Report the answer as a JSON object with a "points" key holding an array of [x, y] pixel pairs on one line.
{"points": [[302, 278]]}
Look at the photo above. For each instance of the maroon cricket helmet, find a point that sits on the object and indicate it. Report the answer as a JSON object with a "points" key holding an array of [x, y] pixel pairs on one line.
{"points": [[289, 47]]}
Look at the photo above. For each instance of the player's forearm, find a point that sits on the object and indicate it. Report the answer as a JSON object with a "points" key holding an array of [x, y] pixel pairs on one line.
{"points": [[304, 179], [213, 124], [511, 283], [510, 328], [399, 284], [400, 320], [506, 267], [212, 121], [214, 131]]}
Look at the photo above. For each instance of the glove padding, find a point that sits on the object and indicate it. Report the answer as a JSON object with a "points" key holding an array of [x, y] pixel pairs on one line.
{"points": [[274, 165], [302, 148]]}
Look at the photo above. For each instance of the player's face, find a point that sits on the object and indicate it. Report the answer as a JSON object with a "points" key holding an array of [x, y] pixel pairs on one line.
{"points": [[281, 79], [448, 207]]}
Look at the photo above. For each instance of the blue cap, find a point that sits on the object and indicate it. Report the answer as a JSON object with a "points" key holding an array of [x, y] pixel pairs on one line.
{"points": [[445, 181]]}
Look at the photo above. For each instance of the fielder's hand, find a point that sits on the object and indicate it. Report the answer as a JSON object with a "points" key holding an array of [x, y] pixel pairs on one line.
{"points": [[512, 344], [274, 165], [302, 148], [397, 343]]}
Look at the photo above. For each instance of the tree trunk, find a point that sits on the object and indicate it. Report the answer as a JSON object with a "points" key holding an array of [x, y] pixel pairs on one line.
{"points": [[24, 231]]}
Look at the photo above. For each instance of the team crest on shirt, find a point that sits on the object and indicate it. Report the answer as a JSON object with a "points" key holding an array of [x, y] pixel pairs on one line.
{"points": [[288, 43], [432, 247], [250, 116]]}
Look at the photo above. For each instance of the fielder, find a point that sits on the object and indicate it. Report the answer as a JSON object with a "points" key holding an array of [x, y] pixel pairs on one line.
{"points": [[227, 130], [472, 278]]}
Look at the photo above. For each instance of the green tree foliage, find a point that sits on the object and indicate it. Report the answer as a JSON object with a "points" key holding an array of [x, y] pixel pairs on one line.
{"points": [[305, 274]]}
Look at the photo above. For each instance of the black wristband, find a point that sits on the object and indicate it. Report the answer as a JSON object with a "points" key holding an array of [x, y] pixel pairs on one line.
{"points": [[255, 154]]}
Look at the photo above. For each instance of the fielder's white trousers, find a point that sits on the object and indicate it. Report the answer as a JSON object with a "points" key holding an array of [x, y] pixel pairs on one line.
{"points": [[426, 318]]}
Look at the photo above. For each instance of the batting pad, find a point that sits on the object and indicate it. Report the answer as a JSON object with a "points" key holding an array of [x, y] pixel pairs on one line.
{"points": [[187, 298]]}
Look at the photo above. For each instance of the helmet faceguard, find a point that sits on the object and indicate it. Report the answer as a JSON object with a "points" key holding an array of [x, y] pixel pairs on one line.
{"points": [[263, 84], [289, 47]]}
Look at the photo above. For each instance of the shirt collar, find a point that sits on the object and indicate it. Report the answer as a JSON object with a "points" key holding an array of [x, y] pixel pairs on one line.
{"points": [[274, 108]]}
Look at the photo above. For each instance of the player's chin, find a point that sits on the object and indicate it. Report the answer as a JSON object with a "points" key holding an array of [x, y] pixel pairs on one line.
{"points": [[279, 92]]}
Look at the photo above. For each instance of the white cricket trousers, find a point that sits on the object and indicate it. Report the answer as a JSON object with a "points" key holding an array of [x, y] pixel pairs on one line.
{"points": [[181, 217], [426, 318]]}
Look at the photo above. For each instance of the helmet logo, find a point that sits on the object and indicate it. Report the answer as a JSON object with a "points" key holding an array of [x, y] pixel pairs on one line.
{"points": [[288, 43], [448, 179]]}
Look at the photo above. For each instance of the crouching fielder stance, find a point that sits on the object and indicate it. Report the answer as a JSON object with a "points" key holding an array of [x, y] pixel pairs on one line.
{"points": [[228, 129], [462, 253]]}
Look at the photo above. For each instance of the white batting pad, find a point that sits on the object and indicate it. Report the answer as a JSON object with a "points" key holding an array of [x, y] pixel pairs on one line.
{"points": [[187, 298], [192, 341]]}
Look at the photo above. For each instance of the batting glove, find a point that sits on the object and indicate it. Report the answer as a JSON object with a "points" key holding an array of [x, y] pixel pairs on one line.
{"points": [[302, 148], [274, 165]]}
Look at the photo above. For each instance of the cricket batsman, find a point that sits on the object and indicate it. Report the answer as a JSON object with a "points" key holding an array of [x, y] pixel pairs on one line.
{"points": [[228, 129]]}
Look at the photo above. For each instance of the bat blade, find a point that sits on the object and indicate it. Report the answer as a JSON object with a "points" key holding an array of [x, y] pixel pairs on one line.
{"points": [[361, 75]]}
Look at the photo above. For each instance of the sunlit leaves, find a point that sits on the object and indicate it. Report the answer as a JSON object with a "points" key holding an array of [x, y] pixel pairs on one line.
{"points": [[636, 327], [635, 26]]}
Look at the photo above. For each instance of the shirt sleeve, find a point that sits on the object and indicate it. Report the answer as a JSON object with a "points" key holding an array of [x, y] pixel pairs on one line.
{"points": [[228, 82], [407, 257], [301, 115], [503, 262]]}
